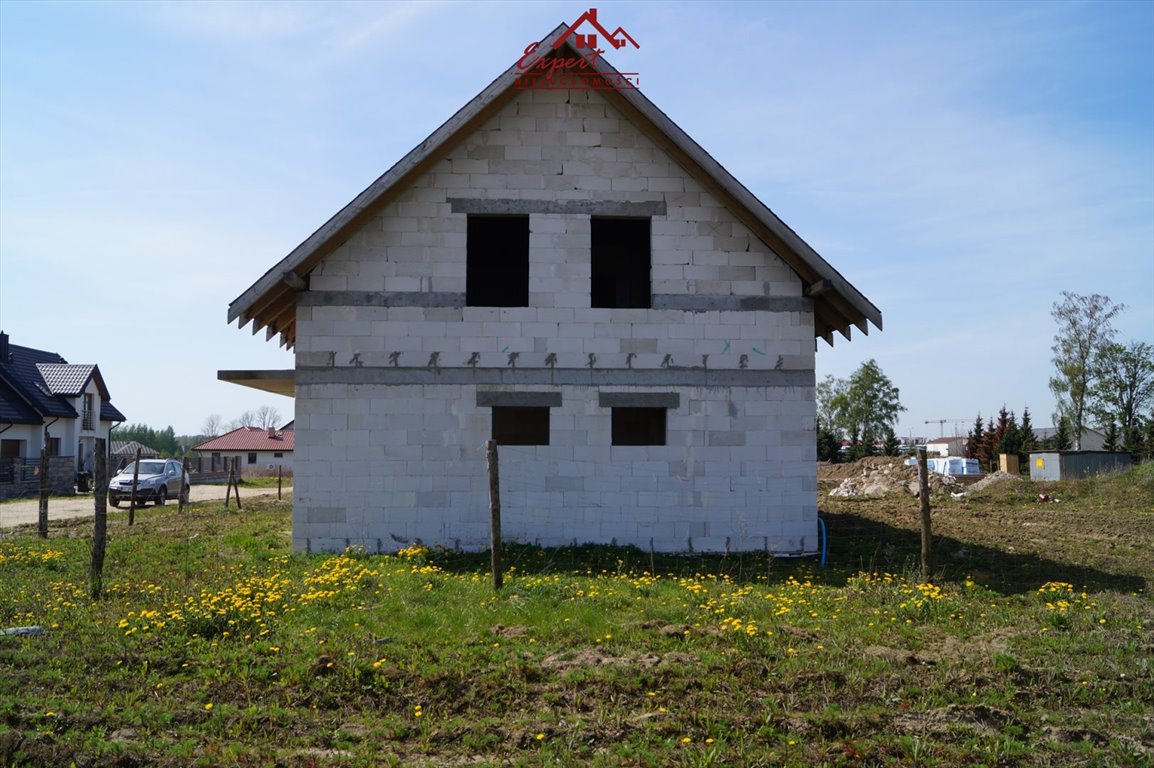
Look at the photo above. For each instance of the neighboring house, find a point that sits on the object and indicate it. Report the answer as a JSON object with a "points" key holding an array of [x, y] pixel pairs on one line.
{"points": [[946, 446], [252, 449], [46, 401], [123, 452], [568, 273], [1092, 439]]}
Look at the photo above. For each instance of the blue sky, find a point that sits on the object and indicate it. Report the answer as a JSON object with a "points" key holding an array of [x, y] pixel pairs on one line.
{"points": [[960, 163]]}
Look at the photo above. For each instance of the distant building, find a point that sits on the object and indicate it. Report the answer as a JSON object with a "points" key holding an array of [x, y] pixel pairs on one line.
{"points": [[253, 449], [1092, 439], [946, 446]]}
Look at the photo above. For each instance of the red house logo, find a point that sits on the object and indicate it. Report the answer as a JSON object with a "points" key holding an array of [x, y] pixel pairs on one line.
{"points": [[576, 72], [584, 41]]}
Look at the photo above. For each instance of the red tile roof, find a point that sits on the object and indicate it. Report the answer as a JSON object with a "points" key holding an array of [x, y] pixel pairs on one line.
{"points": [[250, 439]]}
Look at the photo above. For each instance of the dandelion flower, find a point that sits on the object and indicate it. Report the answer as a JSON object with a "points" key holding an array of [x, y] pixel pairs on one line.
{"points": [[208, 707]]}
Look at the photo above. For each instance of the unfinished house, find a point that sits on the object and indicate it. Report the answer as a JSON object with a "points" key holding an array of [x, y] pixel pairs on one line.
{"points": [[567, 272]]}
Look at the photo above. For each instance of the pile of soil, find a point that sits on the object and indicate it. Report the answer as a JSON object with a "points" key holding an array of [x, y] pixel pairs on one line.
{"points": [[995, 477], [880, 476]]}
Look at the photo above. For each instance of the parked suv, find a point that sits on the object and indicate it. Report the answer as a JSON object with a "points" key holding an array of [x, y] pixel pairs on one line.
{"points": [[157, 480]]}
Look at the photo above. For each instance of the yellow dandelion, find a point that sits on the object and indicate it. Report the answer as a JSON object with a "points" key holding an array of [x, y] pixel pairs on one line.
{"points": [[208, 707]]}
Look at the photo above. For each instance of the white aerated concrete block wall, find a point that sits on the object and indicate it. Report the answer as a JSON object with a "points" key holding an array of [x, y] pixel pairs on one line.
{"points": [[386, 455], [737, 472]]}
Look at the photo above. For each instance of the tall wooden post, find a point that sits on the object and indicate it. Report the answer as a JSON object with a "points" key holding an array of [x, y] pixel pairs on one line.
{"points": [[228, 488], [924, 498], [44, 488], [100, 528], [278, 482], [132, 499], [495, 513], [182, 498]]}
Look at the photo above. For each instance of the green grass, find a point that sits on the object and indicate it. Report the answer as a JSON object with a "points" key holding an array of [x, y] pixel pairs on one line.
{"points": [[212, 645]]}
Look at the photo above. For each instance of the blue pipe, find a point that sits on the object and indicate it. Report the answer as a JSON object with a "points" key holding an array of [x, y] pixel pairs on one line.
{"points": [[824, 540]]}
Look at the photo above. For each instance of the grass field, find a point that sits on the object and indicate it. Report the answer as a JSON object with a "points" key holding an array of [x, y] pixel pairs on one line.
{"points": [[212, 645]]}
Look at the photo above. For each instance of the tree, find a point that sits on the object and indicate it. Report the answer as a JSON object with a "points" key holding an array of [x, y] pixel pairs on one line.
{"points": [[212, 426], [827, 391], [1122, 388], [1061, 439], [865, 406], [266, 417], [1028, 441], [246, 419], [1083, 329], [975, 438], [892, 445], [1110, 443], [828, 444]]}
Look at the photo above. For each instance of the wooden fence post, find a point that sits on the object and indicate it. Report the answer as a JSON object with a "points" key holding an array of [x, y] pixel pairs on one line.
{"points": [[100, 528], [278, 482], [495, 513], [132, 499], [228, 488], [44, 487], [924, 498], [183, 471]]}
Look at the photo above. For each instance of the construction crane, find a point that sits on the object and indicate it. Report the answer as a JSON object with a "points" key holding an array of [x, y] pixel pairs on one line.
{"points": [[942, 424]]}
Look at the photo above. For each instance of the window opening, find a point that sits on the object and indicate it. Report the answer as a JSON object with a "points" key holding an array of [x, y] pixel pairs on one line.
{"points": [[497, 261], [518, 425], [639, 426], [621, 263]]}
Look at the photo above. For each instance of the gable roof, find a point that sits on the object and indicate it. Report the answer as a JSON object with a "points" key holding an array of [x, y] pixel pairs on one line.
{"points": [[270, 302], [65, 379], [35, 385], [250, 439], [128, 448], [21, 373]]}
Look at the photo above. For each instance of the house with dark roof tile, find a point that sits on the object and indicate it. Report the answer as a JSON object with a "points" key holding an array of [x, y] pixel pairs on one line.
{"points": [[45, 401]]}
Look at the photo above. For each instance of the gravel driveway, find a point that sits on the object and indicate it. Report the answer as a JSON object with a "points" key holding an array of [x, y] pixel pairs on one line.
{"points": [[27, 511]]}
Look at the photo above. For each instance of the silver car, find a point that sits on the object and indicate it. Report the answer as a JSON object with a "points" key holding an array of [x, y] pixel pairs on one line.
{"points": [[158, 480]]}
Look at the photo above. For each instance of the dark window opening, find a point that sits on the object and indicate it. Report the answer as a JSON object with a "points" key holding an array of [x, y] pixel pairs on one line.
{"points": [[497, 261], [516, 425], [621, 260], [278, 455], [638, 426], [252, 458], [54, 446]]}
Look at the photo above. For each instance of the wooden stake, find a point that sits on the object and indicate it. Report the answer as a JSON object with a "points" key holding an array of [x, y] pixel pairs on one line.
{"points": [[183, 472], [228, 488], [100, 528], [924, 498], [278, 482], [44, 487], [132, 499], [495, 513]]}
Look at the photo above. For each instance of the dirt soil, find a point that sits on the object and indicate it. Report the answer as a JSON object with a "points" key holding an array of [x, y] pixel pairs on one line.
{"points": [[1005, 530], [879, 476]]}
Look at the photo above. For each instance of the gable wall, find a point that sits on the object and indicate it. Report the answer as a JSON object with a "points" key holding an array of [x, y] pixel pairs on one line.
{"points": [[390, 436]]}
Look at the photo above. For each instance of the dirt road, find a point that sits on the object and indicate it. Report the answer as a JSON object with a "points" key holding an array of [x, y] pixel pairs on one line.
{"points": [[24, 512]]}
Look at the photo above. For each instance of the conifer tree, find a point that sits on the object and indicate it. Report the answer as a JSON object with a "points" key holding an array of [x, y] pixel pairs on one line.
{"points": [[892, 443], [974, 439]]}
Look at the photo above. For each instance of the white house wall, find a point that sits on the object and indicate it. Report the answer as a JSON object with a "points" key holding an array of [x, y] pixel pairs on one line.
{"points": [[389, 436]]}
